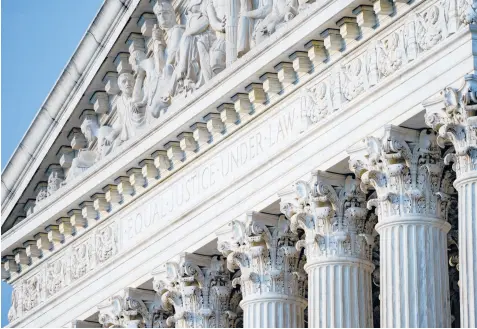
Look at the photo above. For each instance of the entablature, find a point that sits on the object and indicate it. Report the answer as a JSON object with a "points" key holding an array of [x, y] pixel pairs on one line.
{"points": [[156, 164]]}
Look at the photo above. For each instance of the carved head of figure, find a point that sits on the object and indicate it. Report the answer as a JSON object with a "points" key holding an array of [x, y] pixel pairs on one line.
{"points": [[165, 14], [135, 59], [126, 84]]}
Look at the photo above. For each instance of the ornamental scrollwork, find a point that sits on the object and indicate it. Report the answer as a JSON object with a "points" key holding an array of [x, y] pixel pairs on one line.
{"points": [[334, 219], [409, 176], [266, 257], [32, 292], [201, 296], [125, 312], [82, 259], [455, 121], [56, 276]]}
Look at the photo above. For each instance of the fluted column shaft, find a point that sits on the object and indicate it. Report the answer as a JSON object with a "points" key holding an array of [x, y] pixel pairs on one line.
{"points": [[467, 189], [338, 244], [339, 294], [272, 279], [273, 311], [414, 281]]}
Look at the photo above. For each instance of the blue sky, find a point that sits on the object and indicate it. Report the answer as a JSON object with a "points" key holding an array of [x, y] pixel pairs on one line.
{"points": [[38, 39]]}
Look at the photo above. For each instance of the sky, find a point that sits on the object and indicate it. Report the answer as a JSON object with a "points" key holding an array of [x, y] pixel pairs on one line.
{"points": [[37, 40]]}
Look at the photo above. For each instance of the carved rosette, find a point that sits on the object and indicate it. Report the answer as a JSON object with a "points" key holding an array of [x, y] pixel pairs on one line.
{"points": [[266, 257], [200, 297], [455, 121], [408, 176], [334, 218]]}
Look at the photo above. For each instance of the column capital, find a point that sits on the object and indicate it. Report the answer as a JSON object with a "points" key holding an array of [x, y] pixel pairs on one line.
{"points": [[407, 170], [453, 115], [199, 290], [331, 210], [263, 248], [132, 308]]}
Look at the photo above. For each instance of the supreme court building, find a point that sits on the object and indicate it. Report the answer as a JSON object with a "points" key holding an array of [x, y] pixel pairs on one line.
{"points": [[252, 163]]}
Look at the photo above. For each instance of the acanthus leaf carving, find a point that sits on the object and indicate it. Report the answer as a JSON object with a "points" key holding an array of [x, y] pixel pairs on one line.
{"points": [[128, 310], [199, 295], [334, 219], [455, 121], [266, 257]]}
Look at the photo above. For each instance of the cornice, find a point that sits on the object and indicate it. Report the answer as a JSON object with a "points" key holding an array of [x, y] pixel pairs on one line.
{"points": [[62, 99]]}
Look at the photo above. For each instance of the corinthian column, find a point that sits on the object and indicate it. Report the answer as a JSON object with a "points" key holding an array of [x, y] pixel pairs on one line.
{"points": [[271, 278], [338, 239], [199, 292], [454, 116], [406, 169]]}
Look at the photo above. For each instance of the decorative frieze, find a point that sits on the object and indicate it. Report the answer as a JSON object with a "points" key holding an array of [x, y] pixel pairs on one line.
{"points": [[29, 207], [162, 162], [125, 188], [65, 156], [77, 139], [201, 135]]}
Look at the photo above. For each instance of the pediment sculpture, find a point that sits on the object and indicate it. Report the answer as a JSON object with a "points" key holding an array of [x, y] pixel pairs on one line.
{"points": [[172, 61]]}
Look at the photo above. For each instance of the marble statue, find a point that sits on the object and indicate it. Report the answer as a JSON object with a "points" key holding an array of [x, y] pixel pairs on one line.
{"points": [[166, 53], [269, 15], [245, 28], [194, 69], [155, 87], [216, 12], [131, 117]]}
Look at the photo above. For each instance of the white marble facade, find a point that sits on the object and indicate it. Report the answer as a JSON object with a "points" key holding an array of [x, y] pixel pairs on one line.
{"points": [[253, 163]]}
